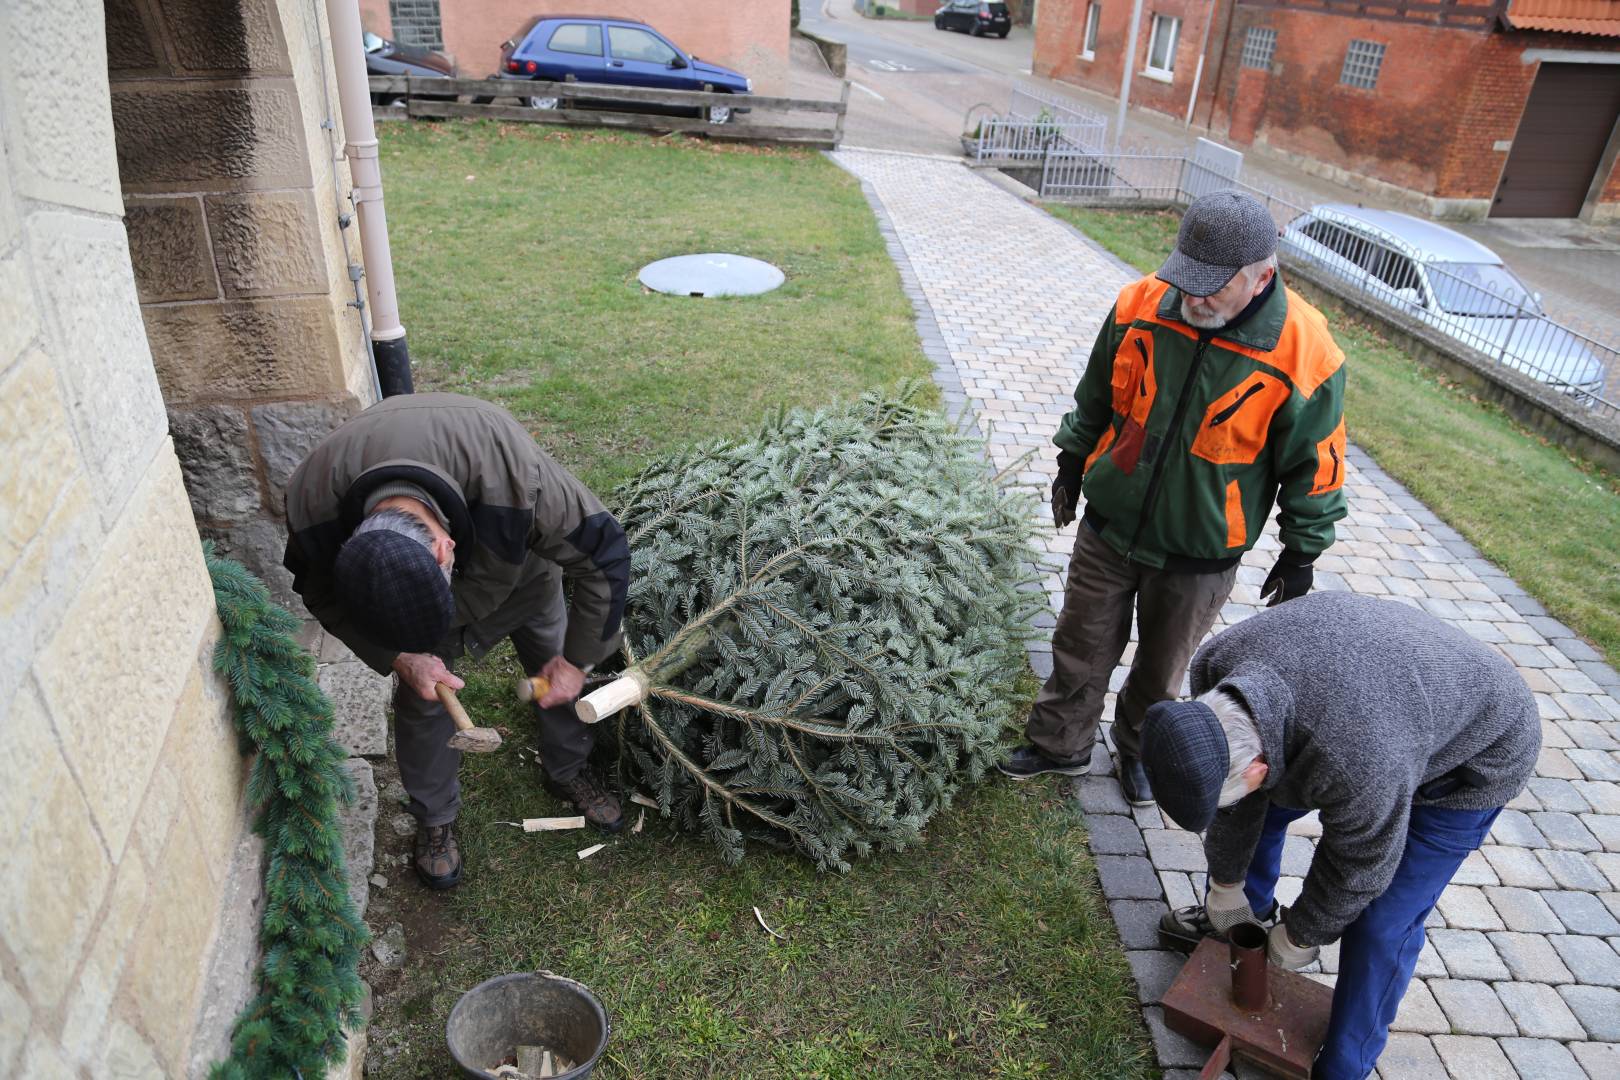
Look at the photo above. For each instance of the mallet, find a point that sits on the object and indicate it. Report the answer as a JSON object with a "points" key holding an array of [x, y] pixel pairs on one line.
{"points": [[478, 740], [533, 687]]}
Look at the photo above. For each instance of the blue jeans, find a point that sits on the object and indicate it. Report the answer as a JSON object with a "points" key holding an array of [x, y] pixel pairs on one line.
{"points": [[1378, 951]]}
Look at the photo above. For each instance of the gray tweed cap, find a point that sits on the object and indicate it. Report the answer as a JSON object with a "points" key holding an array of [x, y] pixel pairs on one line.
{"points": [[393, 591], [1185, 754], [1221, 233]]}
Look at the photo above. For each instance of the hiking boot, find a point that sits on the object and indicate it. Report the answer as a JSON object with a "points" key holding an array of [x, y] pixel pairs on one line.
{"points": [[590, 798], [438, 857], [1183, 928], [1027, 761], [1133, 779]]}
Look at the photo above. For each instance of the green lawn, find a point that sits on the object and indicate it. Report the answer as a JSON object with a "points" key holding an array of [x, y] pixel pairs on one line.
{"points": [[1551, 521], [517, 253], [988, 950]]}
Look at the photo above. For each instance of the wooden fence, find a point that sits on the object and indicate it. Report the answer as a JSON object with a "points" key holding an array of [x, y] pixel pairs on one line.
{"points": [[507, 99]]}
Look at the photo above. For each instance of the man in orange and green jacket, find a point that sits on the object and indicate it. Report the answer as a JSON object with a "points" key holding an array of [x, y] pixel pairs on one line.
{"points": [[1213, 392]]}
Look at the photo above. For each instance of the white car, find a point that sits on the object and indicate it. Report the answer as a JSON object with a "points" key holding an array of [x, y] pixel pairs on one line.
{"points": [[1448, 281]]}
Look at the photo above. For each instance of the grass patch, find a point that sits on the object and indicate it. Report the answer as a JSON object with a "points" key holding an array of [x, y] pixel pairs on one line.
{"points": [[987, 950], [1550, 520], [518, 253]]}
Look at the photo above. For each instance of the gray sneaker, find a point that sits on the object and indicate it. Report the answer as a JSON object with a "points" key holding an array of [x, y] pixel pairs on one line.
{"points": [[1027, 761]]}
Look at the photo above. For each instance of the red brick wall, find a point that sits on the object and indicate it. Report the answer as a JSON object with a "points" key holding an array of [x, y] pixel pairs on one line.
{"points": [[1444, 98], [1059, 34], [751, 37]]}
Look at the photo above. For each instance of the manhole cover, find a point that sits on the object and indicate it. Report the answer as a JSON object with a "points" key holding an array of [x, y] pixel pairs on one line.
{"points": [[710, 274]]}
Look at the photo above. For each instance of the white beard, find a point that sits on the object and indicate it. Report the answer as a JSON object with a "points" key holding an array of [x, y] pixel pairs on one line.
{"points": [[1202, 322]]}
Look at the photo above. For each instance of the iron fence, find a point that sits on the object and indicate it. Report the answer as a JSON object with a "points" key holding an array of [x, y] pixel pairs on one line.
{"points": [[1036, 125], [1477, 305]]}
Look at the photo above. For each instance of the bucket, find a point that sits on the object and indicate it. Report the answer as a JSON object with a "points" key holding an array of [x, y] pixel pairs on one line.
{"points": [[527, 1009]]}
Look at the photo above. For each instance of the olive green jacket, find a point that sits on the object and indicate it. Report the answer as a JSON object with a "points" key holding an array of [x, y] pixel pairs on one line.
{"points": [[1190, 437], [518, 519]]}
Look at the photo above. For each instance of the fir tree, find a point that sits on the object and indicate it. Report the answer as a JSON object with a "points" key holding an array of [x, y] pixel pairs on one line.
{"points": [[311, 935], [829, 619]]}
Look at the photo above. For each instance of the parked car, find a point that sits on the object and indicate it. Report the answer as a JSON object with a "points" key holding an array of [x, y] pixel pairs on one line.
{"points": [[614, 52], [1448, 281], [384, 57], [973, 17]]}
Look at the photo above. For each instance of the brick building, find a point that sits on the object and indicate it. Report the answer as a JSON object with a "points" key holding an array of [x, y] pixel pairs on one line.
{"points": [[750, 38], [1463, 110]]}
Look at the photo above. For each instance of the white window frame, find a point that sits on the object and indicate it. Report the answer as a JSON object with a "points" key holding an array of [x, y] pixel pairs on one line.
{"points": [[1363, 63], [1167, 74], [1088, 40], [1259, 43]]}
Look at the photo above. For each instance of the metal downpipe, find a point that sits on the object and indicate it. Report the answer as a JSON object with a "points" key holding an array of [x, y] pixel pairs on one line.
{"points": [[392, 356]]}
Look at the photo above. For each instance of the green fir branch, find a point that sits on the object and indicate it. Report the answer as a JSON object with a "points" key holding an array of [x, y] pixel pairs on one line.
{"points": [[309, 980]]}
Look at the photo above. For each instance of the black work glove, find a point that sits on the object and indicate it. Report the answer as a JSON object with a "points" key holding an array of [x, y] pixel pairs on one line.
{"points": [[1066, 488], [1290, 578]]}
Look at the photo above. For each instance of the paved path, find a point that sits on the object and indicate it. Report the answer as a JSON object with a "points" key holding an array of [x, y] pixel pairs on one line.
{"points": [[1521, 972]]}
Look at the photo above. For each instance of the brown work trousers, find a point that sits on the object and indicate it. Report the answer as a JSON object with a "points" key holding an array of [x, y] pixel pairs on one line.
{"points": [[1173, 611], [429, 769]]}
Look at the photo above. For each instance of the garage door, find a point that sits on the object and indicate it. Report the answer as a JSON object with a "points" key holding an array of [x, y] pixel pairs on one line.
{"points": [[1566, 125]]}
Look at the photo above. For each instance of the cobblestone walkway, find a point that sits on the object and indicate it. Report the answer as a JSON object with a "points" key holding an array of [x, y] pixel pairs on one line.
{"points": [[1521, 972]]}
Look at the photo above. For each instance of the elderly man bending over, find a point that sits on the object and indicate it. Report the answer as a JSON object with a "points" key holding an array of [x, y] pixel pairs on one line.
{"points": [[1404, 733]]}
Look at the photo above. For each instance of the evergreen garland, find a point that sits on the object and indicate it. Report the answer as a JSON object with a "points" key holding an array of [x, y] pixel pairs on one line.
{"points": [[310, 987], [832, 616]]}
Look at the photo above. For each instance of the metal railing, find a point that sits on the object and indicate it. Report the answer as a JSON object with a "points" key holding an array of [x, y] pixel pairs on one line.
{"points": [[1038, 124], [1477, 306]]}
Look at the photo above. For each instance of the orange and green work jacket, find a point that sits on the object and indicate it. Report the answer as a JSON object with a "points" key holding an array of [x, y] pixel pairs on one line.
{"points": [[1190, 436]]}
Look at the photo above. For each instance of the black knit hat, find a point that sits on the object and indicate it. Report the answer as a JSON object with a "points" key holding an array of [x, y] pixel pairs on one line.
{"points": [[394, 591], [1185, 754], [1221, 233]]}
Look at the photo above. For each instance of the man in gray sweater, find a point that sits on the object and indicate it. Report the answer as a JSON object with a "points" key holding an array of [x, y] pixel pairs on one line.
{"points": [[1404, 733]]}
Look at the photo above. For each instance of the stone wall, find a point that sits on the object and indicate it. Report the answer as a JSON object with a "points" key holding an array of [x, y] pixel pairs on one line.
{"points": [[124, 804], [233, 189]]}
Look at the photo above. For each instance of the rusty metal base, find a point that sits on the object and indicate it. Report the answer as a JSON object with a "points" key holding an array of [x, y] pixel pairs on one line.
{"points": [[1281, 1039]]}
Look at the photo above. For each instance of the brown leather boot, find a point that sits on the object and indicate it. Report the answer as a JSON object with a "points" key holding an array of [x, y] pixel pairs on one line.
{"points": [[438, 857], [590, 797]]}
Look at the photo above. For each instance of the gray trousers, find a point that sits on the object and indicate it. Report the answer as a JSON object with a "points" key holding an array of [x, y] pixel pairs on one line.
{"points": [[1173, 611], [429, 769]]}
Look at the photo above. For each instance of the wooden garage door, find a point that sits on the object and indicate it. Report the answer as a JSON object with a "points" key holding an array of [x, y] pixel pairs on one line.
{"points": [[1566, 124]]}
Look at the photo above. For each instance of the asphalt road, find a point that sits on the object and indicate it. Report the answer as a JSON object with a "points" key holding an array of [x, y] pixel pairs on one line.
{"points": [[913, 85]]}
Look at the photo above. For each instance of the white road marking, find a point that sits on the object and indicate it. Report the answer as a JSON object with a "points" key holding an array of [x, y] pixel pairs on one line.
{"points": [[868, 89]]}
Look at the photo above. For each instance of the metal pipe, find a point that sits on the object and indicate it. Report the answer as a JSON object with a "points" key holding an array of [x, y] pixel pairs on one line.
{"points": [[1125, 76], [360, 146], [1247, 942], [1198, 72]]}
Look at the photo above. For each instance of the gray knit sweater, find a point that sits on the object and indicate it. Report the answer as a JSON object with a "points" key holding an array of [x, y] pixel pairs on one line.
{"points": [[1359, 702]]}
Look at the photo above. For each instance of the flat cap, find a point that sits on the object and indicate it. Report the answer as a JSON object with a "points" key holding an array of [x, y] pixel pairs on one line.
{"points": [[1186, 756], [394, 591], [1221, 233]]}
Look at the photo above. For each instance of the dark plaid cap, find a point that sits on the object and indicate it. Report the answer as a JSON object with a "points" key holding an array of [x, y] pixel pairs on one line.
{"points": [[394, 591], [1185, 754], [1221, 233]]}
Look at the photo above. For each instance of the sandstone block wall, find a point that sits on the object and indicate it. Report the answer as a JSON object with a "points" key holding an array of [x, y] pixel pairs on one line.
{"points": [[124, 803], [234, 189]]}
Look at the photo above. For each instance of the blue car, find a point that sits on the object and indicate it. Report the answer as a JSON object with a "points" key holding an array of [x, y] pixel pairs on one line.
{"points": [[613, 52]]}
